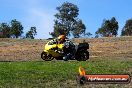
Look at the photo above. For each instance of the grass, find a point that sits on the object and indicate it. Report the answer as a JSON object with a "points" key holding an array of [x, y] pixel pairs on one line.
{"points": [[58, 73]]}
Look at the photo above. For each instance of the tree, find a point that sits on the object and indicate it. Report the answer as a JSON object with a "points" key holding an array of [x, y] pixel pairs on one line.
{"points": [[108, 28], [88, 34], [16, 28], [79, 28], [31, 33], [4, 30], [127, 29], [66, 21]]}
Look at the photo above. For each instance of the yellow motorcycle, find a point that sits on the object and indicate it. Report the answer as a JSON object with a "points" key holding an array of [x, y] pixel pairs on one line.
{"points": [[54, 51]]}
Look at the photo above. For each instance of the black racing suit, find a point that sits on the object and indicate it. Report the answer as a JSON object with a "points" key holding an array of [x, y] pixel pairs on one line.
{"points": [[68, 50]]}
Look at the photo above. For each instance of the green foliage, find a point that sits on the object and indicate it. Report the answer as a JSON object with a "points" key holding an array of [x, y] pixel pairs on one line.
{"points": [[108, 28], [4, 30], [79, 28], [66, 21], [31, 33], [88, 34], [16, 28], [127, 29]]}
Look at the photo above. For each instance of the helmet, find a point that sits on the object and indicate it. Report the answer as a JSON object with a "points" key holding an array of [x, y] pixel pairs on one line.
{"points": [[61, 37]]}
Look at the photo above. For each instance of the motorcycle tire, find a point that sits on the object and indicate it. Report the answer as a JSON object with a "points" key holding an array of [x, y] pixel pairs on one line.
{"points": [[46, 57], [83, 56]]}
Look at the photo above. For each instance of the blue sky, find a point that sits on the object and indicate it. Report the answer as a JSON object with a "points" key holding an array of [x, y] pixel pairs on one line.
{"points": [[40, 13]]}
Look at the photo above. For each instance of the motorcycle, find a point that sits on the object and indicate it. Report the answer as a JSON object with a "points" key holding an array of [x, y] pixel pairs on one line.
{"points": [[54, 51]]}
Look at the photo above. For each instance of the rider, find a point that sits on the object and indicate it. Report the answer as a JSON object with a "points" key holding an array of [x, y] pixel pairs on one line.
{"points": [[68, 47], [61, 39]]}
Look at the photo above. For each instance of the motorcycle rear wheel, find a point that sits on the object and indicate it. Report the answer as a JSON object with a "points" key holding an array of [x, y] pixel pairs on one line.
{"points": [[46, 57], [82, 56]]}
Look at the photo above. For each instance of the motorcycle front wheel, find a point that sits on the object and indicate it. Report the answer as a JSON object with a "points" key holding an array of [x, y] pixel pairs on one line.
{"points": [[46, 57]]}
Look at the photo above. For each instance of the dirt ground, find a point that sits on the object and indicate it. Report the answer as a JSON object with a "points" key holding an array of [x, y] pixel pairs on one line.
{"points": [[28, 49]]}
